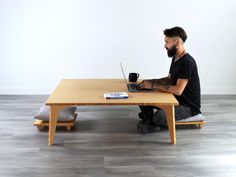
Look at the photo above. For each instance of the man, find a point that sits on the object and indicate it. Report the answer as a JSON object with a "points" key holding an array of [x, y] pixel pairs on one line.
{"points": [[182, 81]]}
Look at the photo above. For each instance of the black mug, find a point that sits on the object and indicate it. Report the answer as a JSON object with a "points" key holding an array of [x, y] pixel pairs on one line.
{"points": [[133, 77]]}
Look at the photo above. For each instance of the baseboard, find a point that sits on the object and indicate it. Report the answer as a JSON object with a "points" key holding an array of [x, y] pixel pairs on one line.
{"points": [[218, 91], [48, 91], [25, 91]]}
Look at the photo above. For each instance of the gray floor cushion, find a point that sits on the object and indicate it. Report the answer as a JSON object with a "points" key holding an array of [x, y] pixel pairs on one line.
{"points": [[66, 114], [196, 118]]}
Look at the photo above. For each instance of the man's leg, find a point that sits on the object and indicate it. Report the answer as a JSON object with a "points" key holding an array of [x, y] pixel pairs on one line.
{"points": [[146, 125], [147, 113], [181, 112]]}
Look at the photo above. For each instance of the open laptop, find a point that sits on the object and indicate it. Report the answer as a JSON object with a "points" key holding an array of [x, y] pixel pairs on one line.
{"points": [[133, 87]]}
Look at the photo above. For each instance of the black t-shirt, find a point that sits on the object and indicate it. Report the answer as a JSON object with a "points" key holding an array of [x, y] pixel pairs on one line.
{"points": [[186, 68]]}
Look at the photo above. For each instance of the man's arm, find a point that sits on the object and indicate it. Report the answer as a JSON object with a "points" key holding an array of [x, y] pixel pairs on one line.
{"points": [[162, 81], [174, 89]]}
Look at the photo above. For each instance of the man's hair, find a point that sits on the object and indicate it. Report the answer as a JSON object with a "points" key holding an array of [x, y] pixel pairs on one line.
{"points": [[176, 32]]}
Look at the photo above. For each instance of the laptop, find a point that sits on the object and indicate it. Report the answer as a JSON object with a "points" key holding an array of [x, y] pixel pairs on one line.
{"points": [[133, 87]]}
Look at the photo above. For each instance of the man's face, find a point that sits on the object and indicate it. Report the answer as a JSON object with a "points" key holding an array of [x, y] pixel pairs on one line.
{"points": [[170, 45]]}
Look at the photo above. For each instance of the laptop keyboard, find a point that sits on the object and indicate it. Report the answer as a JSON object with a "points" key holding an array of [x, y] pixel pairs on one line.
{"points": [[133, 86]]}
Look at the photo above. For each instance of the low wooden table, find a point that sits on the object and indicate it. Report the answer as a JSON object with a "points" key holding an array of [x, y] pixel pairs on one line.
{"points": [[71, 92]]}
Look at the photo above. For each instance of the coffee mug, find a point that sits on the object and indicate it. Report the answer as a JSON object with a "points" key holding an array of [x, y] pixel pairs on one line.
{"points": [[133, 77]]}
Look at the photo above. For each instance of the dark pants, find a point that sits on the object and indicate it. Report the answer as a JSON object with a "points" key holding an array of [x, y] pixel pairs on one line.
{"points": [[159, 117]]}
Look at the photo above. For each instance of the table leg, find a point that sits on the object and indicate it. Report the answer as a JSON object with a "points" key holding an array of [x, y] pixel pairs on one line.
{"points": [[170, 114], [52, 124]]}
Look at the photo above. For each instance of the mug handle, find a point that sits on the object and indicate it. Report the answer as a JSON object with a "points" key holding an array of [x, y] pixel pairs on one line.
{"points": [[137, 75]]}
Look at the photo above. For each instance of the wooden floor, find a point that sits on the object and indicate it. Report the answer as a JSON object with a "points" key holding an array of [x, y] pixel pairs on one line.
{"points": [[104, 142]]}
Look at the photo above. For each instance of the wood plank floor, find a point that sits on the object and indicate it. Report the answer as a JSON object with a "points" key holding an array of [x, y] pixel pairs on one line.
{"points": [[104, 142]]}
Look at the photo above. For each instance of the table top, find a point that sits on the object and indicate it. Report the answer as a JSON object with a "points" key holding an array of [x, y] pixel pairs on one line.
{"points": [[90, 92]]}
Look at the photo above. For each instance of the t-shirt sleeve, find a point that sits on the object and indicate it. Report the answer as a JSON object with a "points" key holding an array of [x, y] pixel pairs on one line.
{"points": [[185, 71]]}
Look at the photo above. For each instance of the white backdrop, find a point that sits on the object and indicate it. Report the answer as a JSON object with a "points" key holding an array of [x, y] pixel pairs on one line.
{"points": [[43, 41]]}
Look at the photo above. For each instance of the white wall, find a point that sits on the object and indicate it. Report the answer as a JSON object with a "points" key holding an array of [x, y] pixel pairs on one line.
{"points": [[44, 41]]}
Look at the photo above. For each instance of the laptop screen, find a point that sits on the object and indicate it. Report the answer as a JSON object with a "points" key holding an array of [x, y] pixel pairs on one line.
{"points": [[123, 73]]}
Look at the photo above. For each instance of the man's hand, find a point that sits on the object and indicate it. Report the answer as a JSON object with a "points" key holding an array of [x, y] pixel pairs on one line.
{"points": [[145, 84]]}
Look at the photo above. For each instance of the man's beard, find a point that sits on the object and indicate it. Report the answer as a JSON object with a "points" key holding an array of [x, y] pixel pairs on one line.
{"points": [[172, 51]]}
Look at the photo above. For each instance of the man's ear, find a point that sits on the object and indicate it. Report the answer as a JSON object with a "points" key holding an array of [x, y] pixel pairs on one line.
{"points": [[179, 42]]}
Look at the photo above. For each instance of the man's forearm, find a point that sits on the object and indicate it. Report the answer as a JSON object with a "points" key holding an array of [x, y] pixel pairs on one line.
{"points": [[162, 81], [167, 88], [163, 84]]}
